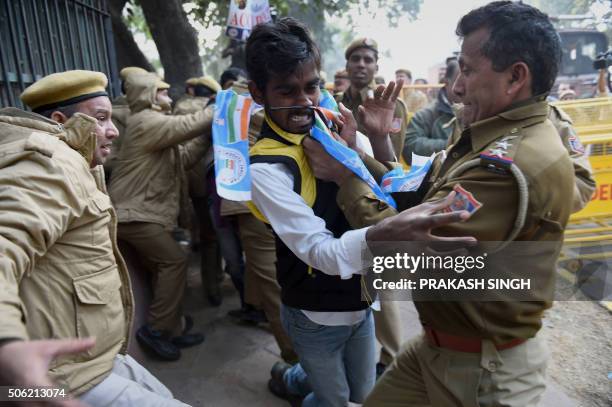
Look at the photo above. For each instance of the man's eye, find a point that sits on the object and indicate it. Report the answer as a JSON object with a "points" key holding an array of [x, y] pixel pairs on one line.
{"points": [[101, 118]]}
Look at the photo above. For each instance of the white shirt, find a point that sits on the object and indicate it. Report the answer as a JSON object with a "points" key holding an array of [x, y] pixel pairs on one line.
{"points": [[305, 234]]}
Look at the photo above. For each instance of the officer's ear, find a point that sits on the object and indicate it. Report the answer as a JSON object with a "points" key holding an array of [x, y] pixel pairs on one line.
{"points": [[256, 93], [519, 78], [59, 117]]}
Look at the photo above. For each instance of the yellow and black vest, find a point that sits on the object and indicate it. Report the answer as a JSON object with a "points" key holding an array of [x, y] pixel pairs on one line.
{"points": [[302, 286]]}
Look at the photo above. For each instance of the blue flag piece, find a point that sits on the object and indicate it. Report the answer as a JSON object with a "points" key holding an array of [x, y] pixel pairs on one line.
{"points": [[397, 180], [231, 145], [347, 157]]}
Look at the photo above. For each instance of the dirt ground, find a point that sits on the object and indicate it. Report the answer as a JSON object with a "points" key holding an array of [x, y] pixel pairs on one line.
{"points": [[579, 335]]}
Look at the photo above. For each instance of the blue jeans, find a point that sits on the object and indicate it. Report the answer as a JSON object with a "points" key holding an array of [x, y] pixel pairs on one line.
{"points": [[337, 363]]}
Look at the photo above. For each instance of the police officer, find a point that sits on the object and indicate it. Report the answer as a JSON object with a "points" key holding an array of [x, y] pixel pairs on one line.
{"points": [[511, 164], [60, 268], [198, 94], [121, 112], [146, 191], [362, 65]]}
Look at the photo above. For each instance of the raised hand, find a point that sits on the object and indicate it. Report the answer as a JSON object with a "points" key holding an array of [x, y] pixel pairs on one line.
{"points": [[376, 113]]}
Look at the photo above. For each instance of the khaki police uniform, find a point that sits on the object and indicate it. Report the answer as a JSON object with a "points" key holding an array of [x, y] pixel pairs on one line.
{"points": [[121, 112], [509, 368], [146, 188], [61, 272], [585, 184], [387, 321], [210, 257], [188, 104]]}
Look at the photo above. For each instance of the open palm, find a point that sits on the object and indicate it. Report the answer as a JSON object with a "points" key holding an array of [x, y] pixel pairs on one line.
{"points": [[376, 113]]}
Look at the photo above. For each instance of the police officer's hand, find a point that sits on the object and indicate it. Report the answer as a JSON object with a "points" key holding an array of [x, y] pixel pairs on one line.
{"points": [[376, 113], [323, 165], [24, 364], [415, 224]]}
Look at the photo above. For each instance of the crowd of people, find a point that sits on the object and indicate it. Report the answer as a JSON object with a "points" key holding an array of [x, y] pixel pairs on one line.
{"points": [[78, 173]]}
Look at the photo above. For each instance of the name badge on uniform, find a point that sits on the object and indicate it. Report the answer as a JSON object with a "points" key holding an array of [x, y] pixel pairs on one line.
{"points": [[463, 201]]}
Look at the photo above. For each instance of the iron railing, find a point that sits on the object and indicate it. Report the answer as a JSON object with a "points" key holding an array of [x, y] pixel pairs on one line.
{"points": [[39, 37]]}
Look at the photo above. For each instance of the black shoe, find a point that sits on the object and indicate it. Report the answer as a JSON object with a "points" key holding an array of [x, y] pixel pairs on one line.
{"points": [[278, 371], [380, 369], [154, 342], [254, 316], [188, 340], [214, 300], [276, 384], [248, 315]]}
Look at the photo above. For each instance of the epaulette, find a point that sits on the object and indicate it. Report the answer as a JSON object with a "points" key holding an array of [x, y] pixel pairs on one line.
{"points": [[42, 143], [499, 155], [561, 114]]}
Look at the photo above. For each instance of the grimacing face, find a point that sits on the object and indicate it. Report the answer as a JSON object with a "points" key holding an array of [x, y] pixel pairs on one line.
{"points": [[483, 91], [361, 66], [298, 89]]}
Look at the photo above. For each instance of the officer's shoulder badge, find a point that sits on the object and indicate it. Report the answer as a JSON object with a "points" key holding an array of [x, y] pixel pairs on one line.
{"points": [[463, 201], [499, 155]]}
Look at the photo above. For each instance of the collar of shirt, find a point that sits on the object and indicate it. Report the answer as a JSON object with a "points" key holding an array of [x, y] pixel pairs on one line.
{"points": [[521, 114]]}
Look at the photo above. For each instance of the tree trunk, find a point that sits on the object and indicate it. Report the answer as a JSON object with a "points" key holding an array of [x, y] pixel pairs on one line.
{"points": [[128, 53], [176, 41]]}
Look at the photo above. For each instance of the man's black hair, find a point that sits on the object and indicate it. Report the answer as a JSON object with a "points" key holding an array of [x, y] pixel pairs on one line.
{"points": [[67, 111], [279, 49], [203, 91], [232, 74], [517, 33]]}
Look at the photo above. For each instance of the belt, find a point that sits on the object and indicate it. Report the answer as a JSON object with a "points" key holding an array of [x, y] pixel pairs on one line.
{"points": [[462, 343]]}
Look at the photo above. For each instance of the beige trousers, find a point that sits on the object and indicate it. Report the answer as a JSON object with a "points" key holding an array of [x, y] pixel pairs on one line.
{"points": [[388, 329], [423, 375], [261, 288], [167, 262]]}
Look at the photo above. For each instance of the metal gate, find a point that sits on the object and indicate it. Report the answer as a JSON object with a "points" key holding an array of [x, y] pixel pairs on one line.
{"points": [[40, 37]]}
